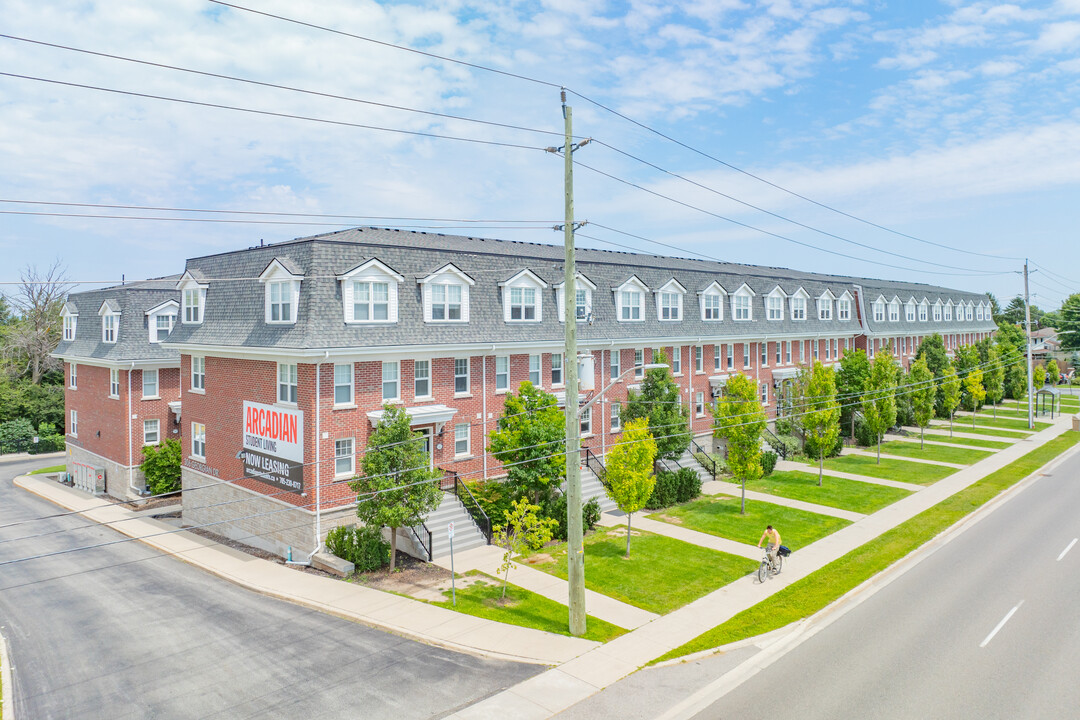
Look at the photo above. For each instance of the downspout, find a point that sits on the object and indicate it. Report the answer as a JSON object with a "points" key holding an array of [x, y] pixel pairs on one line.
{"points": [[483, 401], [604, 430], [131, 468], [318, 455]]}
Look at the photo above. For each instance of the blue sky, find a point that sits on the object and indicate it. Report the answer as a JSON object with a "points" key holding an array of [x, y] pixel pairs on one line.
{"points": [[951, 122]]}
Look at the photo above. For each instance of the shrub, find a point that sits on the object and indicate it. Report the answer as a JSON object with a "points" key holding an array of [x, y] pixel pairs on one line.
{"points": [[47, 444], [905, 410], [673, 488], [555, 508], [863, 435], [784, 426], [768, 462], [590, 514], [494, 497], [161, 467], [833, 451], [791, 444], [363, 547], [15, 434], [45, 429], [689, 485]]}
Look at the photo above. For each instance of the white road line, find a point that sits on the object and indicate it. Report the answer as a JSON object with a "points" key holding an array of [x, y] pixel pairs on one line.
{"points": [[1067, 548], [1000, 625]]}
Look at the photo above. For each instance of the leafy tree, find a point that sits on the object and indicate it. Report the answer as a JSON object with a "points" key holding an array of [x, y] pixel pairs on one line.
{"points": [[1038, 377], [994, 377], [932, 349], [1053, 374], [995, 307], [822, 412], [1015, 366], [1010, 336], [630, 479], [161, 466], [879, 397], [740, 420], [669, 419], [1014, 311], [923, 393], [850, 381], [30, 340], [950, 394], [530, 440], [974, 392], [1069, 327], [524, 530], [396, 488]]}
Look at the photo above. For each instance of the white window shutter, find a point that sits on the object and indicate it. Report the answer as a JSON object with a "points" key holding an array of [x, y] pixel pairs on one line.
{"points": [[392, 300], [347, 299], [295, 287], [465, 302], [506, 293], [425, 291]]}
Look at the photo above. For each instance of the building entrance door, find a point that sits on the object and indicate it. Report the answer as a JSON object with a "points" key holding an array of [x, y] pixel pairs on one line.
{"points": [[425, 434]]}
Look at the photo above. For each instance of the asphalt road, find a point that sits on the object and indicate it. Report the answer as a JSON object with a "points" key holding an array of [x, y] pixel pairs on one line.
{"points": [[925, 646], [124, 632]]}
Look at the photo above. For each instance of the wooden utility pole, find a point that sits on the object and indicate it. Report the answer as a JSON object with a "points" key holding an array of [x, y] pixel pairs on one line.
{"points": [[1030, 369]]}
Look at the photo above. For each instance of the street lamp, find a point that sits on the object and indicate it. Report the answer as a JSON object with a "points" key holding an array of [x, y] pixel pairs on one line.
{"points": [[575, 546]]}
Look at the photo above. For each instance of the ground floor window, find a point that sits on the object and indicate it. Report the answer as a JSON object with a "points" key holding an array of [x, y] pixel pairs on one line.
{"points": [[344, 458]]}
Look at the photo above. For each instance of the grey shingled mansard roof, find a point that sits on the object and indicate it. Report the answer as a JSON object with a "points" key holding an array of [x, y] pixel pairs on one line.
{"points": [[133, 338], [234, 312]]}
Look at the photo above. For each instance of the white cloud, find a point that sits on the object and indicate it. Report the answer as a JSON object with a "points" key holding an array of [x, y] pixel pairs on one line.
{"points": [[1057, 37]]}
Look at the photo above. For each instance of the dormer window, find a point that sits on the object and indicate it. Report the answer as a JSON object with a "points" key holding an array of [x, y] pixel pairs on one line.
{"points": [[669, 300], [948, 311], [712, 303], [910, 311], [193, 298], [446, 295], [369, 293], [774, 307], [110, 321], [879, 310], [979, 312], [282, 295], [937, 311], [843, 307], [741, 309], [583, 298], [522, 298], [71, 318], [970, 312], [798, 304], [924, 311], [160, 320], [824, 309], [894, 311], [630, 300]]}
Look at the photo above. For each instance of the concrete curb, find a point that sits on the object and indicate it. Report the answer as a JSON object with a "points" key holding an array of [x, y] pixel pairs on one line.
{"points": [[777, 642], [7, 700], [17, 457], [27, 483]]}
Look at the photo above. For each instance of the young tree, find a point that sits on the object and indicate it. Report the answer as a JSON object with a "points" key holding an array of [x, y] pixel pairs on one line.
{"points": [[974, 392], [1053, 374], [879, 397], [524, 530], [923, 393], [30, 340], [932, 349], [1038, 378], [397, 488], [630, 479], [850, 381], [994, 377], [1015, 368], [821, 420], [740, 420], [659, 401], [950, 394], [1069, 328], [530, 440], [161, 467]]}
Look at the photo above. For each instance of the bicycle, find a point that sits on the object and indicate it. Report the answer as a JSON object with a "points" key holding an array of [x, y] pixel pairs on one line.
{"points": [[770, 568]]}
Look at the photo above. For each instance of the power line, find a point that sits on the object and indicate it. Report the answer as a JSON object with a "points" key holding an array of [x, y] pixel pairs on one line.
{"points": [[270, 113], [275, 86], [1072, 283]]}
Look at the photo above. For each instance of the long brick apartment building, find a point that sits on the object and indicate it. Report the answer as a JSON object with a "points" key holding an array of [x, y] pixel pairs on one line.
{"points": [[285, 355]]}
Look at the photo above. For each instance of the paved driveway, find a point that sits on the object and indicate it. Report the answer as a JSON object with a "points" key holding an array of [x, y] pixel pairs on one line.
{"points": [[124, 632]]}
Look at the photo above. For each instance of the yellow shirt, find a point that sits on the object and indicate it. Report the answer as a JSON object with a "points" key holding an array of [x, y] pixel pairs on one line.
{"points": [[773, 536]]}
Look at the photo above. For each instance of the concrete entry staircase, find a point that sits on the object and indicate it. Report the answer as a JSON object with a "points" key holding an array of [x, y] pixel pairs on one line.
{"points": [[687, 460], [466, 534], [591, 487]]}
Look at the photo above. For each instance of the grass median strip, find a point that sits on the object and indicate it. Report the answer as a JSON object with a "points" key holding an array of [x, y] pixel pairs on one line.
{"points": [[962, 421], [940, 453], [483, 599], [994, 432], [853, 495], [661, 575], [889, 468], [50, 469], [719, 515], [815, 591], [974, 442]]}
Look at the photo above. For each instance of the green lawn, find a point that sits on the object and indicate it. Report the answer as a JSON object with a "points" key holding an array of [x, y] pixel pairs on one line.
{"points": [[719, 515], [522, 607], [974, 442], [661, 575], [995, 432], [853, 495], [889, 469], [1000, 422], [815, 591], [963, 456], [50, 469]]}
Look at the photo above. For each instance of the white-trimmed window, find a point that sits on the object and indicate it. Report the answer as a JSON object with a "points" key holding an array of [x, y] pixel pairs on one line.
{"points": [[879, 311], [787, 352], [586, 422], [730, 355], [924, 311], [871, 347], [676, 360], [979, 312], [109, 323], [583, 298], [843, 309], [523, 303], [286, 383], [815, 345], [73, 424], [502, 373], [446, 301], [73, 376], [798, 307], [151, 434], [630, 305], [163, 325], [343, 384], [114, 383], [390, 380], [198, 440], [712, 306], [193, 306], [894, 311], [582, 301], [937, 312], [774, 307], [369, 293], [828, 355], [948, 312], [824, 309], [615, 361], [699, 359], [198, 373], [70, 321], [699, 404], [149, 384], [344, 457], [669, 301], [616, 416], [763, 352], [461, 376], [556, 369], [461, 439], [280, 302], [968, 313], [764, 393], [779, 347], [746, 355], [534, 370], [639, 363], [717, 357], [370, 301], [909, 311], [422, 378]]}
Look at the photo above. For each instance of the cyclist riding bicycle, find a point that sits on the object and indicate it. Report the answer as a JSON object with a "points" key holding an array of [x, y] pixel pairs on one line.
{"points": [[773, 545]]}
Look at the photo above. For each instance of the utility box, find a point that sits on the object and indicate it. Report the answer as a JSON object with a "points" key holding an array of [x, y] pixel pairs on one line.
{"points": [[1076, 423], [89, 478]]}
